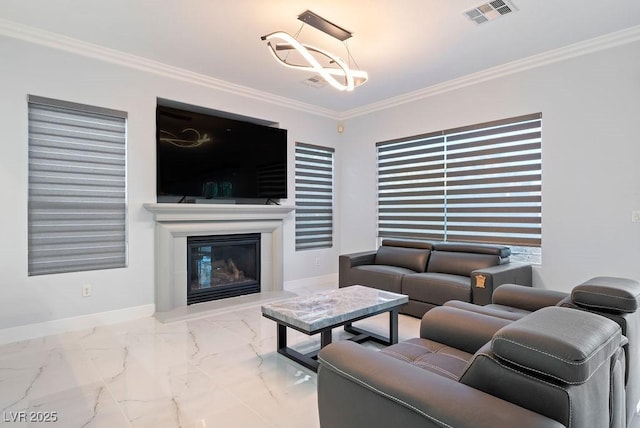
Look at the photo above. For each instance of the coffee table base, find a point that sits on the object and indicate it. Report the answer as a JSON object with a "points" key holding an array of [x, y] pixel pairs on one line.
{"points": [[309, 360]]}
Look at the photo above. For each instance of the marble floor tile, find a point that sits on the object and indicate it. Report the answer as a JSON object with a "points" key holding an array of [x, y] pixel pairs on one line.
{"points": [[217, 370]]}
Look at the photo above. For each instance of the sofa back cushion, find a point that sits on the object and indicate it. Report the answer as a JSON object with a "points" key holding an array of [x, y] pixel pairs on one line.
{"points": [[410, 258], [407, 243], [460, 263], [609, 294], [462, 247], [562, 363], [562, 343]]}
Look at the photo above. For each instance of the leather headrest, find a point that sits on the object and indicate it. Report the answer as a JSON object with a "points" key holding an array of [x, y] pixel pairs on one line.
{"points": [[608, 293], [407, 243], [566, 344], [496, 250]]}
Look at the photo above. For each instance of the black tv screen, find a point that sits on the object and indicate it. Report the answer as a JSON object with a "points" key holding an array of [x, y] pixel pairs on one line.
{"points": [[201, 156]]}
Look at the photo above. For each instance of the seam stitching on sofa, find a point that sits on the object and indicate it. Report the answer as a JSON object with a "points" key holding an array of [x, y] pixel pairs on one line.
{"points": [[436, 368], [384, 394], [535, 379], [499, 337], [418, 362], [607, 295], [592, 305], [443, 350]]}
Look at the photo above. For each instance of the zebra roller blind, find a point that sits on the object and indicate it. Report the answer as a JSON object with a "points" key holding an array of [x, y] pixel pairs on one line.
{"points": [[481, 183], [314, 196], [77, 187]]}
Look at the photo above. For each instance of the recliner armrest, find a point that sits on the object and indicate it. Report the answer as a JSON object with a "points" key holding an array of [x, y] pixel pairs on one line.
{"points": [[362, 388], [485, 281], [347, 261], [460, 329], [527, 298]]}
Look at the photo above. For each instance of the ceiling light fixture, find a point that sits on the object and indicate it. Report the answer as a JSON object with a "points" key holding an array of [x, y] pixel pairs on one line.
{"points": [[336, 71]]}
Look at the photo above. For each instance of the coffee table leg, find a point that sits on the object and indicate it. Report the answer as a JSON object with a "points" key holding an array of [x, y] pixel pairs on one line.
{"points": [[282, 336], [362, 335], [393, 326], [306, 360], [325, 338]]}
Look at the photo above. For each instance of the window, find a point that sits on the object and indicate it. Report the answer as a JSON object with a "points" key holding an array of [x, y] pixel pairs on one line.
{"points": [[77, 187], [481, 183], [314, 197]]}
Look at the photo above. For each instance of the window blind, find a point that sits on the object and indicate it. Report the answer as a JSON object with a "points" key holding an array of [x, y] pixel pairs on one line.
{"points": [[314, 196], [481, 183], [77, 187]]}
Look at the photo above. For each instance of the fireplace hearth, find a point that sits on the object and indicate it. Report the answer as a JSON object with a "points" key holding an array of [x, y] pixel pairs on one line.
{"points": [[222, 266]]}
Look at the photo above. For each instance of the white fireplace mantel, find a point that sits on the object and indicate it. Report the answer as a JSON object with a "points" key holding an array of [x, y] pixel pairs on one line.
{"points": [[221, 212], [174, 223]]}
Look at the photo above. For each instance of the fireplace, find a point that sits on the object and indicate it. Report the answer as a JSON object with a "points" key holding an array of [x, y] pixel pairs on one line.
{"points": [[175, 223], [221, 266]]}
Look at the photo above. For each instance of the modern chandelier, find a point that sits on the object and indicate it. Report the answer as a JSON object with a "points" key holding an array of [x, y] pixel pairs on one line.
{"points": [[336, 71]]}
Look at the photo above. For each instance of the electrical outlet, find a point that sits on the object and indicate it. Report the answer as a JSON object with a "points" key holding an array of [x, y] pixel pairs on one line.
{"points": [[635, 216], [86, 290]]}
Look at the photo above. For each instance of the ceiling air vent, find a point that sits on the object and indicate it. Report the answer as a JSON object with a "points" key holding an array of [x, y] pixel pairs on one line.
{"points": [[489, 11]]}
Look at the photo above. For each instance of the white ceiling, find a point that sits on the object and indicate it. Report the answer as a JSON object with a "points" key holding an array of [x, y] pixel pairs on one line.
{"points": [[404, 45]]}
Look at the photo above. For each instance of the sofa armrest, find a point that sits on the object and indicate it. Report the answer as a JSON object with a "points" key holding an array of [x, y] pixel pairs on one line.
{"points": [[459, 328], [485, 281], [362, 388], [347, 261], [526, 298]]}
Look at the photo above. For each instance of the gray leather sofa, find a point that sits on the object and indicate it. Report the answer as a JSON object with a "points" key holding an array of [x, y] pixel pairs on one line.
{"points": [[554, 367], [432, 274], [615, 298]]}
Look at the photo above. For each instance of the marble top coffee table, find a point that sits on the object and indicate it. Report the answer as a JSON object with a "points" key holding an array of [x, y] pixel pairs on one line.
{"points": [[321, 312]]}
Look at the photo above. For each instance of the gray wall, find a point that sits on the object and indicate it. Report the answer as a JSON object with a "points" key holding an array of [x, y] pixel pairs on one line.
{"points": [[34, 69], [591, 152], [591, 180]]}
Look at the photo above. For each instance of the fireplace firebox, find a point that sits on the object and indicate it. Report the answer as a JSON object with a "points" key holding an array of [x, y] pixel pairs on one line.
{"points": [[222, 266]]}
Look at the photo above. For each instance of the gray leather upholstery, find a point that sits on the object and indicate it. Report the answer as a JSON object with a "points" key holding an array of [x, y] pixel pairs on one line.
{"points": [[560, 367], [572, 358], [448, 339], [382, 277], [608, 293], [410, 258], [558, 362], [436, 288], [461, 247], [361, 388], [432, 274], [611, 297], [458, 263]]}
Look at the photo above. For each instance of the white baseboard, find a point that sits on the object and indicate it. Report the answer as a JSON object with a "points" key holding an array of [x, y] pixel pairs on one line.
{"points": [[65, 325], [331, 278]]}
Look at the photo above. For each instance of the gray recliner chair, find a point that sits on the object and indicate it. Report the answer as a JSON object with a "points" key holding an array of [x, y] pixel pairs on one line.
{"points": [[615, 298], [554, 367]]}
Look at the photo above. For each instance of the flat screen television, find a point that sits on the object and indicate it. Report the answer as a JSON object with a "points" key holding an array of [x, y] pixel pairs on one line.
{"points": [[202, 156]]}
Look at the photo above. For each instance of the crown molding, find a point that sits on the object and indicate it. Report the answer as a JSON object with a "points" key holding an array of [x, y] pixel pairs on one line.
{"points": [[69, 44], [596, 44], [58, 41]]}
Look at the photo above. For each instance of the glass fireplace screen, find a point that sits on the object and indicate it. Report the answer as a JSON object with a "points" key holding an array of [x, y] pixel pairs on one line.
{"points": [[222, 266]]}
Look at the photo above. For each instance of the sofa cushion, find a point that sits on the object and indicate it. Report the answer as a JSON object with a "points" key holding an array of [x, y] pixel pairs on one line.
{"points": [[410, 258], [382, 277], [460, 263], [432, 356], [615, 294], [436, 288], [407, 243], [566, 344], [461, 247]]}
